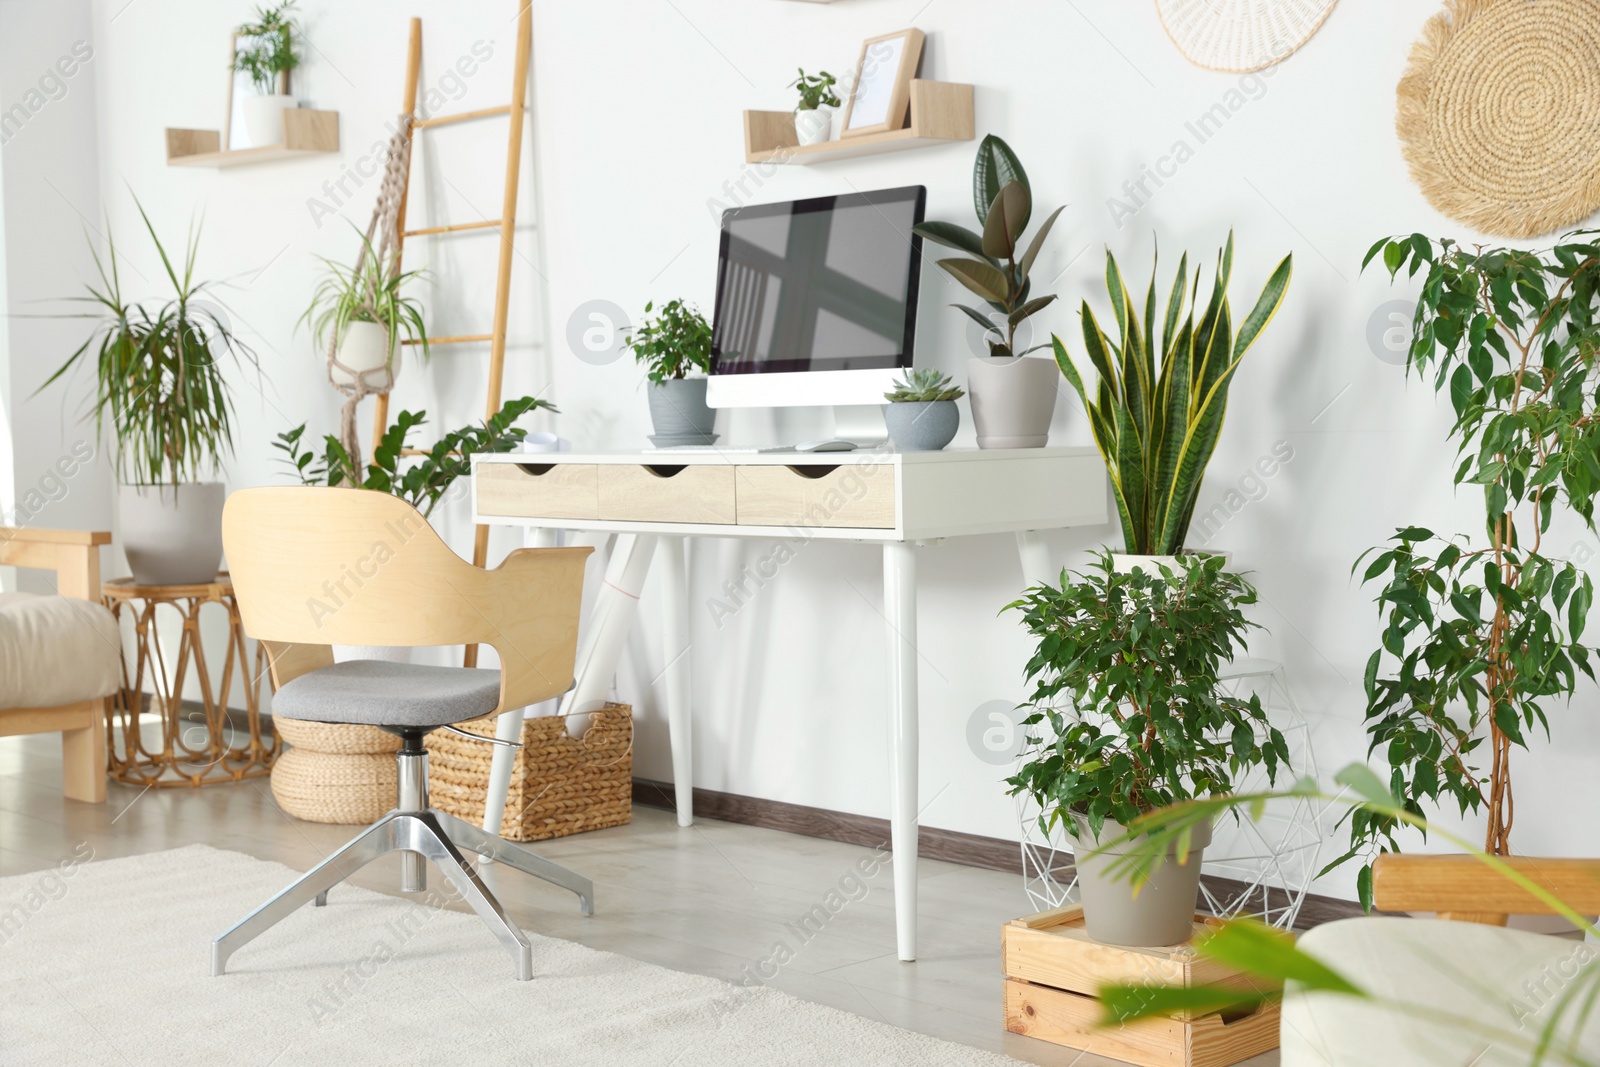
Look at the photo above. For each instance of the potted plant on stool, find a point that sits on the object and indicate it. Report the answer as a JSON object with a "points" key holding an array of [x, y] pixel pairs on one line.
{"points": [[160, 385], [265, 53], [921, 413], [1013, 398], [675, 342], [1136, 655], [813, 118]]}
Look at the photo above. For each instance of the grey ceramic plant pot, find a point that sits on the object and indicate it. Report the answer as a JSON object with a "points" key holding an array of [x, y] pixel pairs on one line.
{"points": [[679, 413], [171, 535], [1012, 400], [922, 425], [1163, 911]]}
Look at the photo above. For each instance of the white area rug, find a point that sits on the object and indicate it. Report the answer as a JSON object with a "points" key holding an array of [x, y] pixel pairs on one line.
{"points": [[106, 963]]}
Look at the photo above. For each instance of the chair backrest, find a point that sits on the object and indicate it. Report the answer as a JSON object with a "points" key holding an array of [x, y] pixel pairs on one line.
{"points": [[313, 566]]}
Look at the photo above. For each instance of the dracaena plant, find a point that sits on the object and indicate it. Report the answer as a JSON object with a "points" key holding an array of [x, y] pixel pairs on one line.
{"points": [[1001, 261], [1135, 656], [425, 479], [923, 385], [1159, 404], [1482, 632]]}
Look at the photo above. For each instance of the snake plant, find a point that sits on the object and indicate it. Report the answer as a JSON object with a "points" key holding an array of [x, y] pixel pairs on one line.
{"points": [[1156, 420]]}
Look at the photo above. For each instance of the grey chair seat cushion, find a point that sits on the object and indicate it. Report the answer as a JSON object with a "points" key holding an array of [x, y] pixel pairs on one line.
{"points": [[375, 693]]}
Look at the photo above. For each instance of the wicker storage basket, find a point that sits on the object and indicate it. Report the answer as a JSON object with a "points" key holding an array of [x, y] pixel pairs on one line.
{"points": [[560, 784], [334, 773]]}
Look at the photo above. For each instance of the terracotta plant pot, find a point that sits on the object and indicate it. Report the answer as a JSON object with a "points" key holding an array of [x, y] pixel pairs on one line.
{"points": [[1012, 400]]}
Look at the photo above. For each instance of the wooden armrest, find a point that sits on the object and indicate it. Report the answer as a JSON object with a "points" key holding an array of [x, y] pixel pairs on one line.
{"points": [[1465, 886], [73, 554], [54, 537]]}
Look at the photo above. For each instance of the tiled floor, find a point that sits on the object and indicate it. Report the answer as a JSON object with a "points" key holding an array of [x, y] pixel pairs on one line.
{"points": [[716, 899]]}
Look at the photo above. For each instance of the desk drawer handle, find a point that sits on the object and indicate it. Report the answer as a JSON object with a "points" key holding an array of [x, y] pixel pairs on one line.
{"points": [[665, 470], [536, 469], [814, 471]]}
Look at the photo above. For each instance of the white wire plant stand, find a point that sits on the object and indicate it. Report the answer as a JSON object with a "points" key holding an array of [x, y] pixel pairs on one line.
{"points": [[1259, 868]]}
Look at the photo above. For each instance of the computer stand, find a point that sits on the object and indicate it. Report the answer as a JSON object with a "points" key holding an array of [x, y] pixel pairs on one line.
{"points": [[860, 424]]}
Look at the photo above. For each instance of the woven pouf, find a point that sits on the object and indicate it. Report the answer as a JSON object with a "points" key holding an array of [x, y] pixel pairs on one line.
{"points": [[1499, 113], [335, 773]]}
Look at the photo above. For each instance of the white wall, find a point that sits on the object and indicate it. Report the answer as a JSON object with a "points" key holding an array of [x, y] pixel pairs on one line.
{"points": [[637, 128], [51, 198]]}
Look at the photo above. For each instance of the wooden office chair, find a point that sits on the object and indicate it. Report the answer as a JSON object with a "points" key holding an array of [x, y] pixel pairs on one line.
{"points": [[1466, 968], [314, 567]]}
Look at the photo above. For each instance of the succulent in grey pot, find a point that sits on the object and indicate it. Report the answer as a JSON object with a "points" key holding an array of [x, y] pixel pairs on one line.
{"points": [[921, 412], [674, 342]]}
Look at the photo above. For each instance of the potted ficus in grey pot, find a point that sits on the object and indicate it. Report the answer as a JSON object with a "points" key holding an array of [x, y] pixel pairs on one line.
{"points": [[670, 345], [921, 412], [1128, 717], [1013, 396], [161, 391]]}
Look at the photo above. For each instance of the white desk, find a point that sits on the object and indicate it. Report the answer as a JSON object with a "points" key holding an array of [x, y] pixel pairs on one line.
{"points": [[892, 499]]}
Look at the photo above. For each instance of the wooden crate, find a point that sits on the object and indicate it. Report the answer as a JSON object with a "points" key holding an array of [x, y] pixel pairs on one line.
{"points": [[1053, 970]]}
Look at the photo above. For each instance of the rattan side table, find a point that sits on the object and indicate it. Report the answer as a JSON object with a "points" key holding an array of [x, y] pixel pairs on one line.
{"points": [[200, 744]]}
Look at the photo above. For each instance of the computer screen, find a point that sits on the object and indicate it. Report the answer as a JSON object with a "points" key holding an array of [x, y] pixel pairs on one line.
{"points": [[824, 284]]}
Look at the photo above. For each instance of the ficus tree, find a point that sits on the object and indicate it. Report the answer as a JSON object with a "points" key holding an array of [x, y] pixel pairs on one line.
{"points": [[1481, 632]]}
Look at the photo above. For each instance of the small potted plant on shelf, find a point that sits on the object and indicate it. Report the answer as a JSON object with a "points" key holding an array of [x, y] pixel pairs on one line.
{"points": [[265, 52], [1013, 398], [361, 312], [1160, 402], [921, 412], [161, 389], [671, 345], [1136, 656], [813, 118]]}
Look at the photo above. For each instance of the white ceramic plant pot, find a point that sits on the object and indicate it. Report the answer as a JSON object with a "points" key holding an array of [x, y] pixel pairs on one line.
{"points": [[1013, 400], [813, 126], [263, 118], [172, 535], [364, 350]]}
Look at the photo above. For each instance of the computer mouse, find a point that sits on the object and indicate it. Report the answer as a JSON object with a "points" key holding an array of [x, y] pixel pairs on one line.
{"points": [[825, 446]]}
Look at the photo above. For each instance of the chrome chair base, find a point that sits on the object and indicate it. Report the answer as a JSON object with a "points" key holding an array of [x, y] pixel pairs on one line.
{"points": [[420, 834]]}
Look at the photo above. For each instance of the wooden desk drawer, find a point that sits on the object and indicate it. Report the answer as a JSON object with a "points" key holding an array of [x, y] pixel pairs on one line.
{"points": [[854, 495], [667, 492], [539, 490]]}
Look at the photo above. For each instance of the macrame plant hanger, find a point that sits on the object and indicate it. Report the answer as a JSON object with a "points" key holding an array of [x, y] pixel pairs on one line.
{"points": [[384, 227]]}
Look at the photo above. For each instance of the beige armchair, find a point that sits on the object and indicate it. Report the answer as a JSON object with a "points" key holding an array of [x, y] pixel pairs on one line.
{"points": [[60, 656]]}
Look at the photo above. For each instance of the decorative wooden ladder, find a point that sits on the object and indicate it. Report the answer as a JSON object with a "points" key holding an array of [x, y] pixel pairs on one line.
{"points": [[506, 224]]}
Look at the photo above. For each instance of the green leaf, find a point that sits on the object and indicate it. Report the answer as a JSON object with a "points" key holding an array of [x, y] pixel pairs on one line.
{"points": [[950, 235], [1007, 219], [1359, 779], [1263, 952], [1127, 1003], [980, 277], [1026, 266], [995, 165], [1364, 887]]}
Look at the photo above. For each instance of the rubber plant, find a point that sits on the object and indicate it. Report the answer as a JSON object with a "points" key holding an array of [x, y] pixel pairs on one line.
{"points": [[1480, 632], [1000, 266], [1157, 409]]}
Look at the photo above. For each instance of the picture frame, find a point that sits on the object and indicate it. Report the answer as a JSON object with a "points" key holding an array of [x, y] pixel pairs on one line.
{"points": [[239, 87], [881, 91]]}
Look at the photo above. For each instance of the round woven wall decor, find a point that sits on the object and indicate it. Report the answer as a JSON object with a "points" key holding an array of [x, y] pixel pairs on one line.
{"points": [[1239, 36], [1499, 113]]}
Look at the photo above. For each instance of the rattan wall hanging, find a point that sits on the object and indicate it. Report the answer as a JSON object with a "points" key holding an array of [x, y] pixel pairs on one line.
{"points": [[1499, 113], [1241, 35]]}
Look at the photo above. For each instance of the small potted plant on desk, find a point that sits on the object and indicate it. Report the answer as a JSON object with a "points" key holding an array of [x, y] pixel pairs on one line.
{"points": [[670, 345], [813, 118], [161, 390], [921, 412], [265, 53], [1137, 655]]}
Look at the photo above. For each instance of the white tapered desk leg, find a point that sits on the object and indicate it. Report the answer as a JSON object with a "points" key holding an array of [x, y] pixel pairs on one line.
{"points": [[612, 615], [900, 609], [675, 648], [1035, 558], [508, 728]]}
